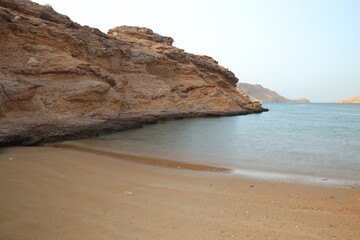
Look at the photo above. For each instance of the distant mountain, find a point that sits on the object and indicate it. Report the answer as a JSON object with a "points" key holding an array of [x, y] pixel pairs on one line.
{"points": [[259, 93], [301, 100], [355, 99]]}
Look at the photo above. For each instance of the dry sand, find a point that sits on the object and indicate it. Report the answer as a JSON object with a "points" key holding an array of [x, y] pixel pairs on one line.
{"points": [[53, 193]]}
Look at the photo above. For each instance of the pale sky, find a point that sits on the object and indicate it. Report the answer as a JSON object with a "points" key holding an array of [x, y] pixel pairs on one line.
{"points": [[298, 48]]}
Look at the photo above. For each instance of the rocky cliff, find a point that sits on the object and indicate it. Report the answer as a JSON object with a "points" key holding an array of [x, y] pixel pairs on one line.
{"points": [[257, 92], [355, 99], [60, 80]]}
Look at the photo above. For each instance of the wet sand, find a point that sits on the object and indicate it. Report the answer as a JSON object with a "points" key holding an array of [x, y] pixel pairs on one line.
{"points": [[139, 159], [57, 193]]}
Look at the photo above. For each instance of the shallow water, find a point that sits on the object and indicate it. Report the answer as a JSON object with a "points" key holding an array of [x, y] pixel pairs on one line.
{"points": [[310, 140]]}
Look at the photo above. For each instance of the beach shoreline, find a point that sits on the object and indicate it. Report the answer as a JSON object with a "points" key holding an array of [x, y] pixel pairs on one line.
{"points": [[257, 173], [58, 193]]}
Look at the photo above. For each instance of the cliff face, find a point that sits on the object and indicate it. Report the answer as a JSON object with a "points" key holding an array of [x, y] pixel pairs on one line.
{"points": [[60, 80], [257, 92], [355, 99]]}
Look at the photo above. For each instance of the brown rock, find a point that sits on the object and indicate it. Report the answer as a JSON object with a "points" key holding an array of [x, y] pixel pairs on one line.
{"points": [[17, 91], [60, 80], [140, 33], [85, 90]]}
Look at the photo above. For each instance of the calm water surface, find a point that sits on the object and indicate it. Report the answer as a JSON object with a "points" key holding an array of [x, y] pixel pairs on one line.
{"points": [[313, 140]]}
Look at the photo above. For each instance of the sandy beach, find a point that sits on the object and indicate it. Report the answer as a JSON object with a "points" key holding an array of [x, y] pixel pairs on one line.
{"points": [[56, 193]]}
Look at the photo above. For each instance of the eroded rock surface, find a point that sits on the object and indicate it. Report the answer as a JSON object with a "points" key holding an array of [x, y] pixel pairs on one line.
{"points": [[60, 80]]}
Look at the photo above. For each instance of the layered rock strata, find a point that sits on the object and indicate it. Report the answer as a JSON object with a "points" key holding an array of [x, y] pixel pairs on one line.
{"points": [[60, 80]]}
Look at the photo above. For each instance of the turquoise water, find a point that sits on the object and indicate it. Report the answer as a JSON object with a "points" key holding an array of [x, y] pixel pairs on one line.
{"points": [[314, 141]]}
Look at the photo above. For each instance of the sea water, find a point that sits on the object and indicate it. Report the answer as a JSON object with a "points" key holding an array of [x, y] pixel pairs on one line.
{"points": [[314, 142]]}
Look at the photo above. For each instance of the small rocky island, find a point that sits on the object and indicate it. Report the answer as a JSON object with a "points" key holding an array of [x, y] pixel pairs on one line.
{"points": [[60, 80]]}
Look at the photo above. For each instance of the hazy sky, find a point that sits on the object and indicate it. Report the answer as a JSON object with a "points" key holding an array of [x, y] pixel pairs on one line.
{"points": [[299, 48]]}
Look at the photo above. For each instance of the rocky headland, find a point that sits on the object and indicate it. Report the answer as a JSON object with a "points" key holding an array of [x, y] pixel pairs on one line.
{"points": [[354, 99], [60, 80], [257, 92]]}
